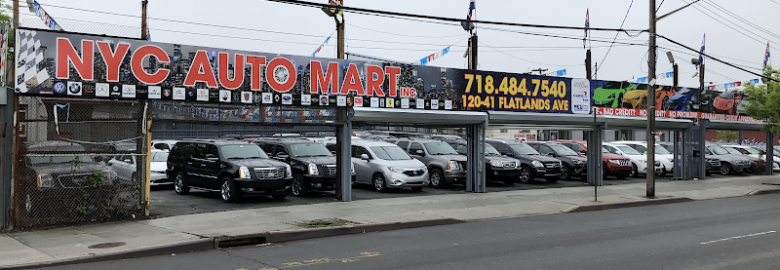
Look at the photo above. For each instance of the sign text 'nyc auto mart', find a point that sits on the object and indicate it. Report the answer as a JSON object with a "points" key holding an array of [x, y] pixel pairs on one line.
{"points": [[85, 66]]}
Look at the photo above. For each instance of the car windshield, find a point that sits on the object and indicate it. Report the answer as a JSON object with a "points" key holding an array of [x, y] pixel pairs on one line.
{"points": [[309, 150], [36, 160], [660, 150], [604, 150], [390, 153], [628, 150], [718, 150], [243, 151], [641, 87], [577, 147], [562, 150], [733, 151], [751, 150], [440, 148], [491, 151], [669, 147], [685, 91], [612, 85], [727, 95], [523, 149], [159, 156]]}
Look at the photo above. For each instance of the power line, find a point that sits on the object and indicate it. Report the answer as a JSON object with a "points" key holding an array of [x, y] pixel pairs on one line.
{"points": [[402, 35], [721, 75], [716, 59], [616, 35], [556, 36], [398, 14], [741, 19], [729, 26]]}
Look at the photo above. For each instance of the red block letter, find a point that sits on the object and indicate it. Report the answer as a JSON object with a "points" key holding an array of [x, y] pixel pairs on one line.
{"points": [[138, 69], [374, 85], [238, 71], [257, 62], [201, 62], [112, 59], [393, 72], [352, 82], [286, 83], [66, 55], [318, 81]]}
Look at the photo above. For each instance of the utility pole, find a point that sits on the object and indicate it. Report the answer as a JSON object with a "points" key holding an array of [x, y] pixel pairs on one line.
{"points": [[651, 59], [16, 14], [587, 64], [340, 36], [540, 70], [143, 19], [596, 72], [676, 72], [473, 46]]}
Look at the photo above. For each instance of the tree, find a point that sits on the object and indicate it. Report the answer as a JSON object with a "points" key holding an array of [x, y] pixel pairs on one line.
{"points": [[5, 11], [764, 101], [728, 136]]}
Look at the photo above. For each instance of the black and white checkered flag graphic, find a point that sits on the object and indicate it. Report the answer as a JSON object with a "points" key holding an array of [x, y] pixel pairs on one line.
{"points": [[29, 72]]}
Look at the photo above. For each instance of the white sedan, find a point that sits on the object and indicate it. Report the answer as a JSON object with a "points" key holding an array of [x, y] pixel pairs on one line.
{"points": [[125, 167]]}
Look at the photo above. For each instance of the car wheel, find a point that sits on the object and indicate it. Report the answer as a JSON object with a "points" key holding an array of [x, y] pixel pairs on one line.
{"points": [[635, 171], [299, 188], [525, 175], [663, 171], [228, 190], [566, 172], [180, 184], [665, 104], [437, 178], [279, 197], [418, 189], [379, 182], [725, 168]]}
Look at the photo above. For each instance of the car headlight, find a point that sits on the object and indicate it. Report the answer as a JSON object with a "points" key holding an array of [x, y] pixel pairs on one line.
{"points": [[243, 173], [496, 163], [313, 169], [637, 98], [453, 166], [45, 180], [579, 162], [424, 169], [288, 173], [612, 96], [614, 161], [517, 164], [395, 169], [537, 164]]}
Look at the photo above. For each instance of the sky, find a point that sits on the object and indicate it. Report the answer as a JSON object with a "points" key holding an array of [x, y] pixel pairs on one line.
{"points": [[288, 29]]}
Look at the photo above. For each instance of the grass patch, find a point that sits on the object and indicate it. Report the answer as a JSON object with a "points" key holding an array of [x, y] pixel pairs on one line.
{"points": [[324, 223]]}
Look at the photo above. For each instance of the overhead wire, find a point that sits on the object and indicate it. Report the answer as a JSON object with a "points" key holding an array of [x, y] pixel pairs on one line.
{"points": [[616, 35], [721, 21], [740, 18]]}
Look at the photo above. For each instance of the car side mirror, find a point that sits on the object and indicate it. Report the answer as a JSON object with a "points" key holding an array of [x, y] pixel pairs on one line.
{"points": [[509, 155], [420, 152], [211, 157], [129, 160], [282, 155], [333, 152], [551, 154], [365, 157]]}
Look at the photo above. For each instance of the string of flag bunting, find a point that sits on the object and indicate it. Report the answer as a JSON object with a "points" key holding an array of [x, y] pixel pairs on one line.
{"points": [[657, 76], [321, 45], [558, 73], [431, 57], [732, 84], [47, 20]]}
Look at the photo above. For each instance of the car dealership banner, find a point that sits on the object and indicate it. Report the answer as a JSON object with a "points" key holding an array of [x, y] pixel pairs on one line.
{"points": [[73, 65]]}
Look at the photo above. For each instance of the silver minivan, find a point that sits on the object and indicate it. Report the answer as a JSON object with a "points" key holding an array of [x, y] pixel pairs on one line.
{"points": [[384, 165]]}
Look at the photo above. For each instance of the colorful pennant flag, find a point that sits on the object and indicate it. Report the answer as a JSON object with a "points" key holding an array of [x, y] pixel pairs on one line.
{"points": [[433, 56], [766, 56], [320, 47], [47, 20], [587, 26], [338, 3], [701, 57], [472, 7]]}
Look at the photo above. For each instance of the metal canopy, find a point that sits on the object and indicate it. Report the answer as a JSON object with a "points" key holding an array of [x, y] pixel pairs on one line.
{"points": [[613, 121], [576, 121], [414, 117], [730, 125]]}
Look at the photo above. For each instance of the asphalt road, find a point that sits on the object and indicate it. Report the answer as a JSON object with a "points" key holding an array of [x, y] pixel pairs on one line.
{"points": [[165, 202], [735, 233]]}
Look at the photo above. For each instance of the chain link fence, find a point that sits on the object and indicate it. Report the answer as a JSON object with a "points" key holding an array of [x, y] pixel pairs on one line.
{"points": [[79, 161]]}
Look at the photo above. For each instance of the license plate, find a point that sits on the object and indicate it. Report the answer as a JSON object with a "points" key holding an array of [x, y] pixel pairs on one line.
{"points": [[542, 170], [271, 175], [597, 102]]}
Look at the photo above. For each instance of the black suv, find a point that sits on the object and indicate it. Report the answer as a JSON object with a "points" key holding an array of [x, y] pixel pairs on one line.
{"points": [[313, 165], [573, 163], [233, 167], [499, 167], [532, 164]]}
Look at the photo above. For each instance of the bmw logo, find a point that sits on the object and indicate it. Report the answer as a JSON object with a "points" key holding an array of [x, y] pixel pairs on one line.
{"points": [[59, 88], [74, 88]]}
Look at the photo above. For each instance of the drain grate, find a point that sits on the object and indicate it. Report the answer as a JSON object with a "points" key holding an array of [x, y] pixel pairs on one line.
{"points": [[107, 245]]}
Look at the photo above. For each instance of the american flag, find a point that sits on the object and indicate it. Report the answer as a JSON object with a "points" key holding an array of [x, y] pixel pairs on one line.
{"points": [[701, 57], [472, 7], [766, 55], [587, 25]]}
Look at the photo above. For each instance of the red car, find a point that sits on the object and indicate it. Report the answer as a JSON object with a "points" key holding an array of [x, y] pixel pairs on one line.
{"points": [[615, 165], [727, 102]]}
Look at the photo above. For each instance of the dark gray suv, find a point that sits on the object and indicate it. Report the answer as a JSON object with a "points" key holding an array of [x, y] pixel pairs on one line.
{"points": [[445, 165]]}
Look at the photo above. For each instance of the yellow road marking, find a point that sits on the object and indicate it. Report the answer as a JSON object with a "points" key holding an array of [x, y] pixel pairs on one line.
{"points": [[321, 261]]}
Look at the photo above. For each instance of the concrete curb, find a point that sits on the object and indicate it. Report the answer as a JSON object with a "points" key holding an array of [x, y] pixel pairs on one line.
{"points": [[764, 191], [193, 246], [589, 208], [241, 240]]}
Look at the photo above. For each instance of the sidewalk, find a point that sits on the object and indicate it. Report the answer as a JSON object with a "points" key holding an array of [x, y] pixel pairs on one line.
{"points": [[200, 230]]}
